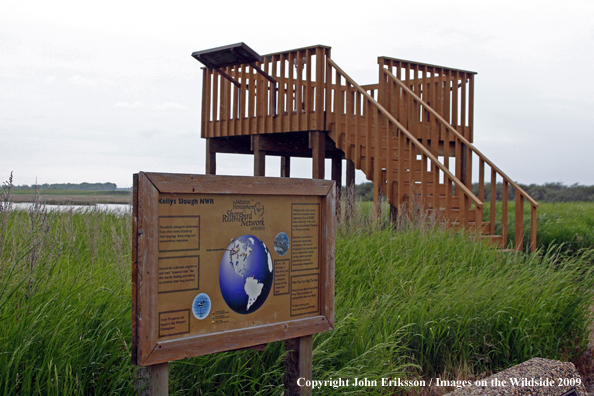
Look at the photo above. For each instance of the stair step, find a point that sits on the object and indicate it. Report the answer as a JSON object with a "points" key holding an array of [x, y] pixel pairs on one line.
{"points": [[495, 240]]}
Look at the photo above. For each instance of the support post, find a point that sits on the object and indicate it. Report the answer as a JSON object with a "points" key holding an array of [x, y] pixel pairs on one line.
{"points": [[298, 364], [259, 156], [337, 177], [285, 166], [349, 205], [318, 153], [152, 380], [211, 159]]}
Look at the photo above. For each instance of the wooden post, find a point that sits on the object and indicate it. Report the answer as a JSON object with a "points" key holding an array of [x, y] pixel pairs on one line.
{"points": [[285, 166], [152, 380], [211, 159], [349, 204], [259, 156], [298, 366], [318, 153], [337, 177]]}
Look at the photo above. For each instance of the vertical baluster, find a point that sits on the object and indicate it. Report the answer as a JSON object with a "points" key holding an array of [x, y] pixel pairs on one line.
{"points": [[339, 110], [519, 229], [277, 120], [282, 95], [299, 90], [274, 119], [308, 90], [504, 200], [358, 134], [319, 105], [251, 98], [377, 162], [216, 105], [349, 113], [532, 228], [235, 107], [470, 136], [291, 108], [493, 201], [481, 191], [206, 118], [243, 101], [368, 150], [225, 91]]}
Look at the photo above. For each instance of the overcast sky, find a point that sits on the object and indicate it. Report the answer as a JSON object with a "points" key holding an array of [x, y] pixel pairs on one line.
{"points": [[96, 91]]}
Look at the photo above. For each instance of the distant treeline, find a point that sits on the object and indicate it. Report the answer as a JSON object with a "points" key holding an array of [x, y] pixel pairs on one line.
{"points": [[548, 192], [73, 186]]}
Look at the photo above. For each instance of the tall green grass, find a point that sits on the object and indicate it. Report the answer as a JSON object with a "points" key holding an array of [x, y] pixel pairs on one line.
{"points": [[411, 303]]}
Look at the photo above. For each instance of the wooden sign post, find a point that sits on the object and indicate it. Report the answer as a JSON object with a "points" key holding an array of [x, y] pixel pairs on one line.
{"points": [[223, 263]]}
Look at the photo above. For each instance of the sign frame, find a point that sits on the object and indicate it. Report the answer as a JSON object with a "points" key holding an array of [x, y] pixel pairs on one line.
{"points": [[146, 348]]}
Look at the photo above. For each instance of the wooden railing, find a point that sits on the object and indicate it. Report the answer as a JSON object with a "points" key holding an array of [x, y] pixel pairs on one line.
{"points": [[447, 90], [387, 152], [247, 108], [399, 99]]}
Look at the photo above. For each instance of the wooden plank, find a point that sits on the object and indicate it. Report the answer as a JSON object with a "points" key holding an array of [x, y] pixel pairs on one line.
{"points": [[337, 178], [463, 105], [146, 277], [216, 105], [251, 101], [319, 92], [532, 228], [339, 112], [348, 138], [291, 94], [298, 366], [299, 89], [225, 101], [504, 212], [204, 121], [134, 271], [212, 343], [244, 127], [471, 108], [519, 220], [377, 165], [369, 152], [493, 201], [329, 114], [358, 139], [308, 90], [282, 96]]}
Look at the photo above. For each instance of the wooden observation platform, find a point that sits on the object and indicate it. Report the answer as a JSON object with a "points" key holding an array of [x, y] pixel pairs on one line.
{"points": [[411, 133]]}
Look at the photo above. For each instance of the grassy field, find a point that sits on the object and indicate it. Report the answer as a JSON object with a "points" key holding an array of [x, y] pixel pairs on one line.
{"points": [[412, 303]]}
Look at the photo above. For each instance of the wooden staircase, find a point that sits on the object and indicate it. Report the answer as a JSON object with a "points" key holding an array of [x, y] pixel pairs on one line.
{"points": [[413, 155], [411, 134]]}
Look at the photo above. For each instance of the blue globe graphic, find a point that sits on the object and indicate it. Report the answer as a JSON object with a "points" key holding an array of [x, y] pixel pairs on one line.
{"points": [[245, 277]]}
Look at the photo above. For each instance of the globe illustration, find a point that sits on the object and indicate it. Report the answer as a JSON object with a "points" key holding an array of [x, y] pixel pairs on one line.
{"points": [[245, 277]]}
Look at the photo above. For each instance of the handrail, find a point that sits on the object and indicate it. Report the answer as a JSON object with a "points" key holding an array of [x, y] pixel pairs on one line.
{"points": [[462, 138], [420, 146], [425, 64]]}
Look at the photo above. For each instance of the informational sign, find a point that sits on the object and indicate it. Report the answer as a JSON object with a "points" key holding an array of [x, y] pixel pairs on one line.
{"points": [[223, 263]]}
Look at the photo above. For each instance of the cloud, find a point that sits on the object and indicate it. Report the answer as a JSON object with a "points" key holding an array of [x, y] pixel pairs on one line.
{"points": [[50, 79], [168, 105], [82, 81], [127, 105]]}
